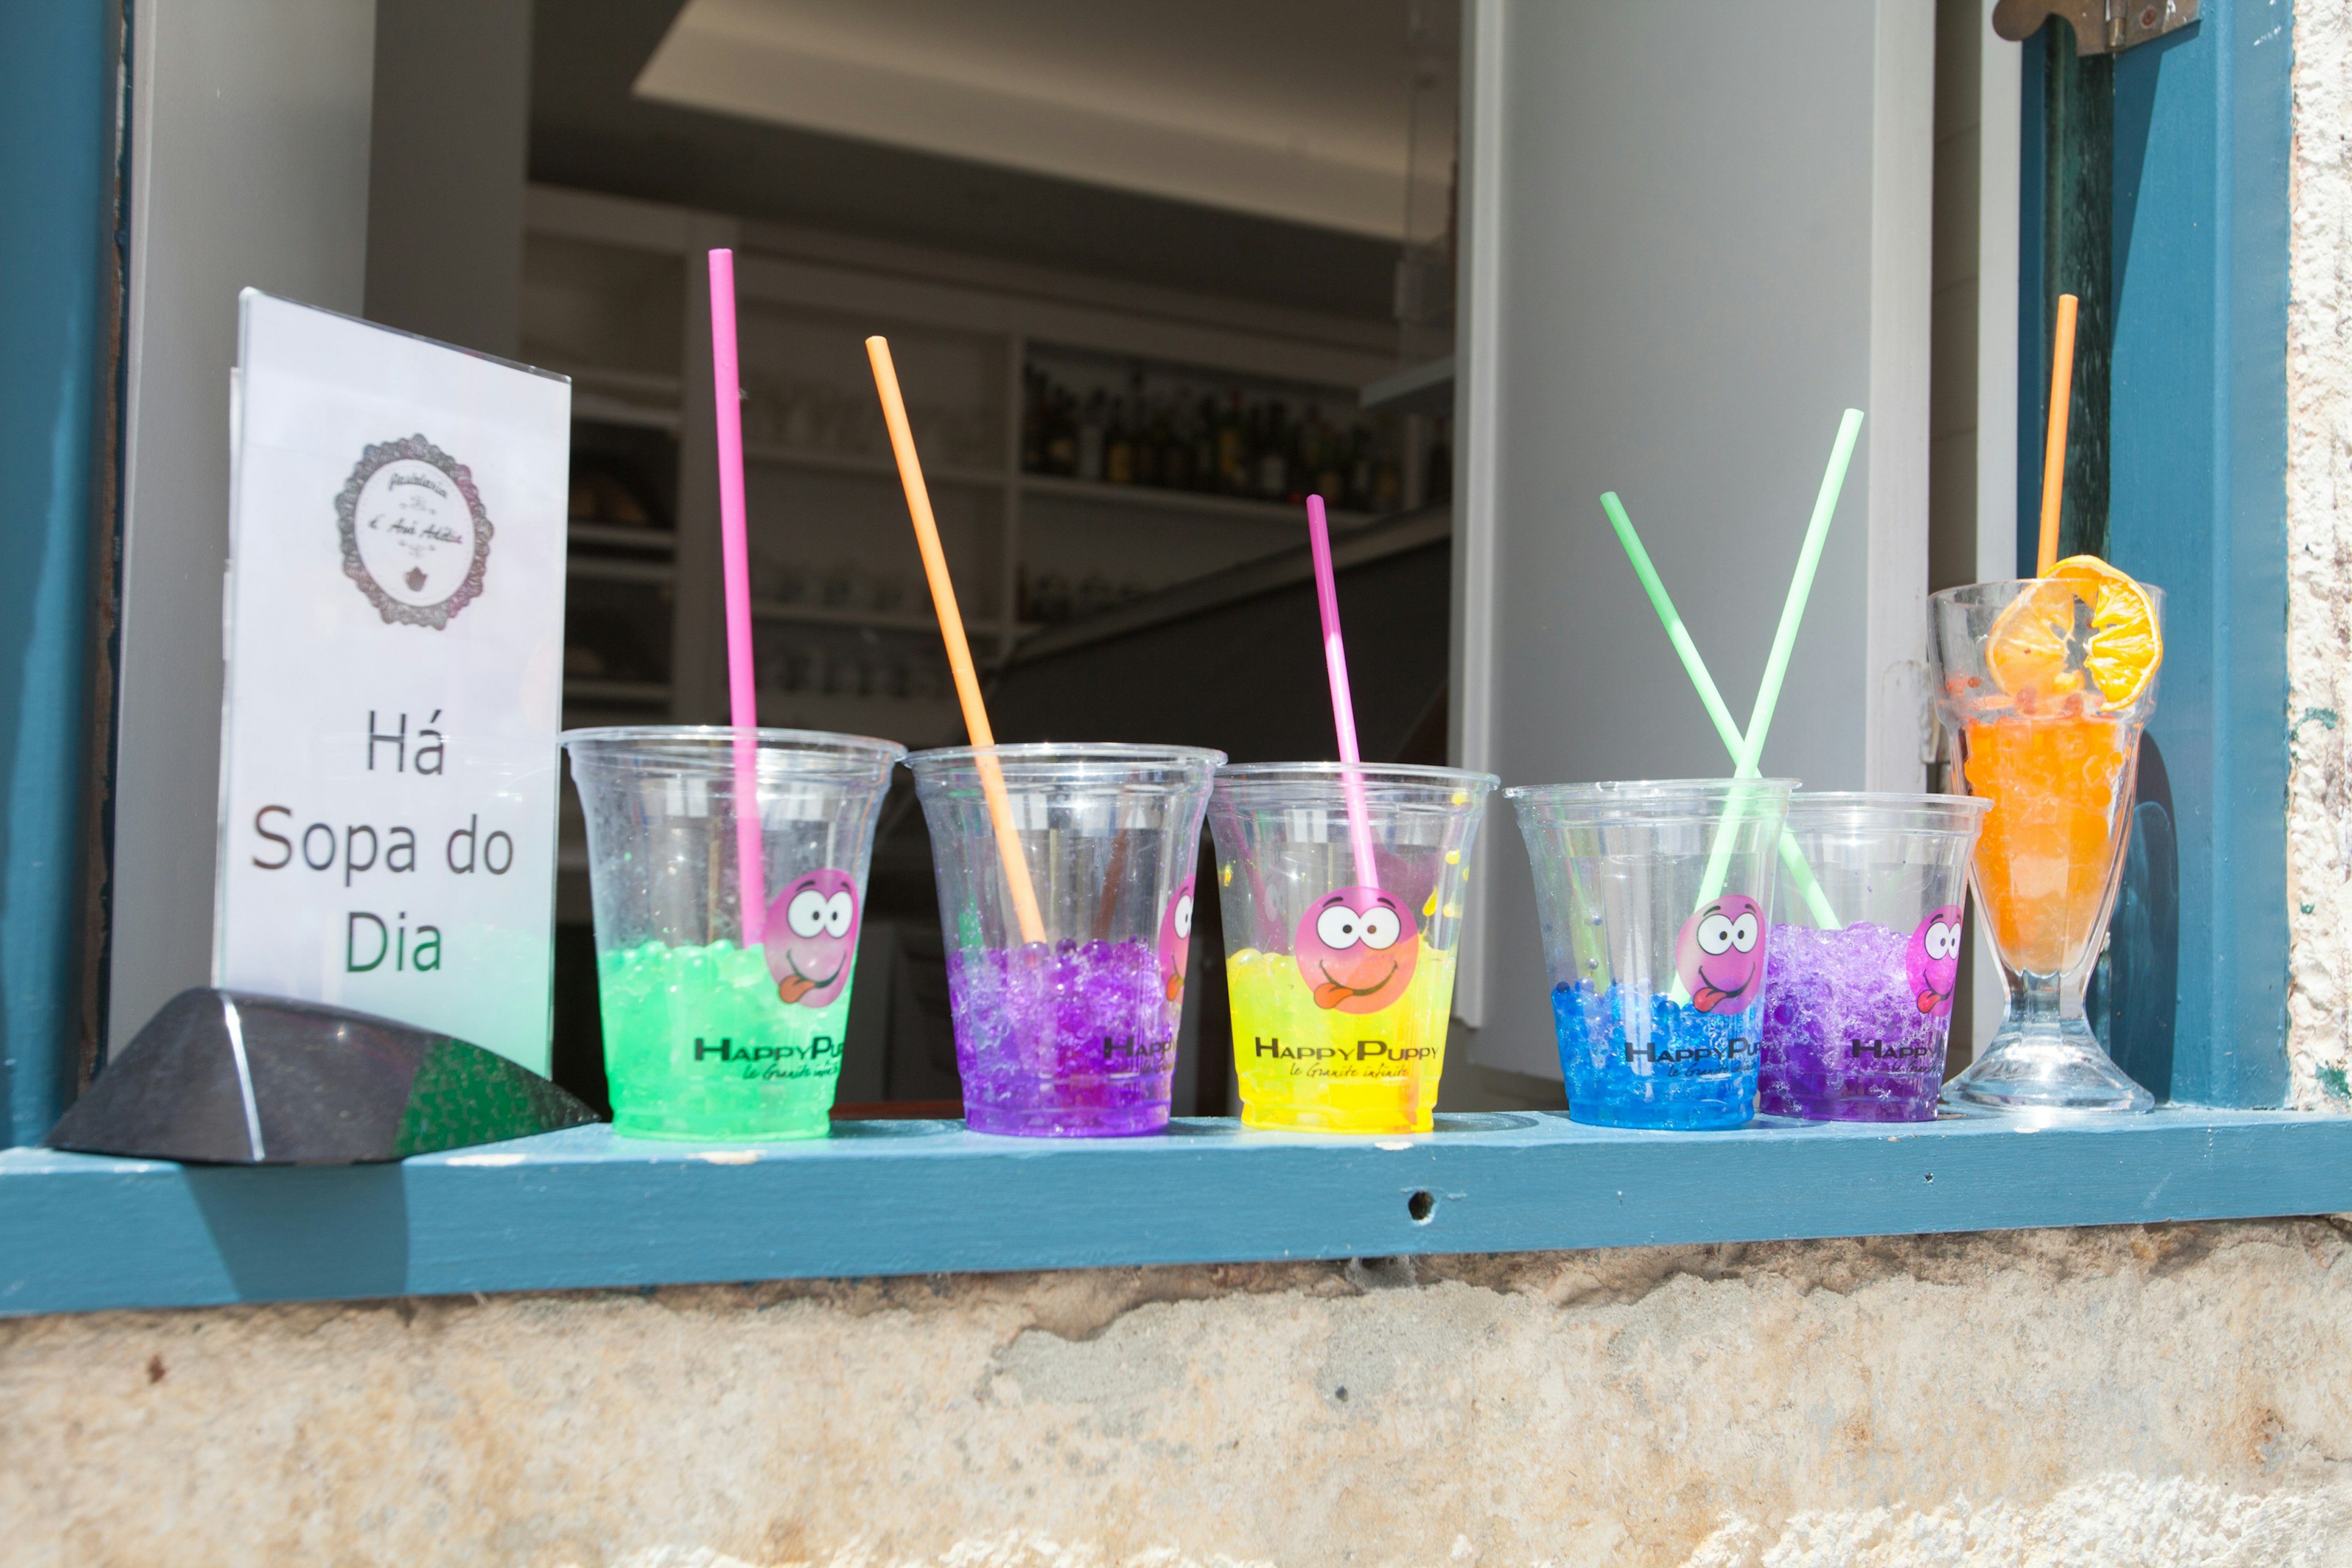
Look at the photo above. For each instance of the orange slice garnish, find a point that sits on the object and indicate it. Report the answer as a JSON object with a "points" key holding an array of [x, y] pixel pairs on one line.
{"points": [[2029, 649], [2026, 651], [2125, 648]]}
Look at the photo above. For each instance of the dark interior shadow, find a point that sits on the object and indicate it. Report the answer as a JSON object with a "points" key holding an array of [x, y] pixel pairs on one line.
{"points": [[880, 1129], [1481, 1121], [1235, 660], [1204, 1061], [2134, 994], [307, 1231], [1202, 1127]]}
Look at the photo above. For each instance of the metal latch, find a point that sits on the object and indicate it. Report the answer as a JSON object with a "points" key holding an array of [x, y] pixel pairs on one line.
{"points": [[2101, 26]]}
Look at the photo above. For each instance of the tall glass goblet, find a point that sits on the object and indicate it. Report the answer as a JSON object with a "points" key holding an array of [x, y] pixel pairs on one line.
{"points": [[2044, 726]]}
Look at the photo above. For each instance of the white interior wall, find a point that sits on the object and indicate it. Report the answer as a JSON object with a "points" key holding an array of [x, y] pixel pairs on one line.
{"points": [[2000, 99], [451, 140], [1707, 231], [248, 166]]}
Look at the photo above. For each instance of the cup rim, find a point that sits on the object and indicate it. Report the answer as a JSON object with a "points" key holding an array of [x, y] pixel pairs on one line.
{"points": [[1646, 791], [1967, 811], [1370, 773], [1954, 594], [1125, 752], [1885, 797], [772, 739]]}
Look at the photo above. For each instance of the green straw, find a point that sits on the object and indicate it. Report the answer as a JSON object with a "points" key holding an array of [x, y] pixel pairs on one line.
{"points": [[1747, 749], [1809, 561], [1792, 859], [1784, 640]]}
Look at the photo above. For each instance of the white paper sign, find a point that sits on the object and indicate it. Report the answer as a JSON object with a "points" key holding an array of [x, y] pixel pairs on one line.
{"points": [[394, 628]]}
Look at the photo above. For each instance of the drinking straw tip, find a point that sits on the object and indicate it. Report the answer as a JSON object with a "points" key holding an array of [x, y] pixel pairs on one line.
{"points": [[742, 697], [2053, 455], [1343, 708], [1026, 911]]}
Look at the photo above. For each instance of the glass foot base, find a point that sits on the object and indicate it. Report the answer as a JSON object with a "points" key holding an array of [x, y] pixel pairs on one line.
{"points": [[2055, 1064]]}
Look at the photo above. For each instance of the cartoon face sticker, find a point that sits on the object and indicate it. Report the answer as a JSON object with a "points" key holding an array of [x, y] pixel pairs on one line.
{"points": [[1932, 962], [812, 937], [1356, 949], [1720, 954], [1176, 941]]}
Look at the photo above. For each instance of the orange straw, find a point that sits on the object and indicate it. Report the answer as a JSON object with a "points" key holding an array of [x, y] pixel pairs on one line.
{"points": [[2054, 460], [943, 600]]}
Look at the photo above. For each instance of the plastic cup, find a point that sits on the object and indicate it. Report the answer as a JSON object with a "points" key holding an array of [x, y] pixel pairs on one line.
{"points": [[704, 1037], [1342, 991], [1856, 1015], [1656, 902], [1076, 1037]]}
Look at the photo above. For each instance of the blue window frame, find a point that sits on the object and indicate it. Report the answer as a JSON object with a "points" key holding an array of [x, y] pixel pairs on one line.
{"points": [[56, 257], [2198, 432], [2197, 503]]}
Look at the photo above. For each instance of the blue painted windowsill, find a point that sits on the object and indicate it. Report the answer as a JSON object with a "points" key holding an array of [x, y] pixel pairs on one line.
{"points": [[582, 1209]]}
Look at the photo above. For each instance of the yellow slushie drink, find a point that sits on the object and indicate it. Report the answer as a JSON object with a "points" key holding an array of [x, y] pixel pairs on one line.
{"points": [[1339, 886], [1307, 1066]]}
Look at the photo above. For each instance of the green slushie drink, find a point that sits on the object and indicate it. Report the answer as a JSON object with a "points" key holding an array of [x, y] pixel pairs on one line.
{"points": [[717, 1026]]}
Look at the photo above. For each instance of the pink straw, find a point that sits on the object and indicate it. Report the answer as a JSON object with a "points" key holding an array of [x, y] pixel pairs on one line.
{"points": [[735, 553], [1343, 706]]}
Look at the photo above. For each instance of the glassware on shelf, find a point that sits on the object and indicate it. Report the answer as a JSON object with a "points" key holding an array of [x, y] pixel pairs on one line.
{"points": [[799, 426], [837, 586], [1096, 595], [1049, 599], [888, 591], [763, 411], [927, 678], [1158, 428]]}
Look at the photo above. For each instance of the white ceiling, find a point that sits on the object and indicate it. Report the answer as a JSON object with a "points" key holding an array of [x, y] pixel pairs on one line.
{"points": [[1290, 109]]}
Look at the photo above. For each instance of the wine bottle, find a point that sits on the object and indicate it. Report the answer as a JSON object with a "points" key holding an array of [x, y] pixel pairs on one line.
{"points": [[1090, 439], [1119, 451]]}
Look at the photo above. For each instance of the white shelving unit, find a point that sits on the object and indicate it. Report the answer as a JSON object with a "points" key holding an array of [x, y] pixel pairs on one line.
{"points": [[1192, 504], [934, 475], [614, 295]]}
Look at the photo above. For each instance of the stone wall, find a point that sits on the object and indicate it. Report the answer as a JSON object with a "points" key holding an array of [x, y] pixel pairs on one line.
{"points": [[2158, 1395], [2319, 577]]}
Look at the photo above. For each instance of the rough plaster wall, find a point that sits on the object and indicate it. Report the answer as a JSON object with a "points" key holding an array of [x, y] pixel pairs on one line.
{"points": [[2319, 549], [2158, 1397]]}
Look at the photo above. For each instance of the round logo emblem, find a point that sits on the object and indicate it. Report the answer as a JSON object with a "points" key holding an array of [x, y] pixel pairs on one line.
{"points": [[1931, 962], [1720, 954], [1176, 941], [1357, 949], [812, 937], [416, 538]]}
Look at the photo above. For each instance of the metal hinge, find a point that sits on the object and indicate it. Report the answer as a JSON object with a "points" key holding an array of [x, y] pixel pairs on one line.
{"points": [[2101, 26]]}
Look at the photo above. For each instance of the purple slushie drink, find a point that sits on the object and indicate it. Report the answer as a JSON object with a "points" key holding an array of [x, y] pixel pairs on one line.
{"points": [[1858, 983], [1847, 1037], [1072, 1041], [1074, 1036]]}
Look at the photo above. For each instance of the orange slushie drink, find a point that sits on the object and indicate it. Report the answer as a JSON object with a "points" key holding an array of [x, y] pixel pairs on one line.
{"points": [[2046, 685], [2045, 862]]}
